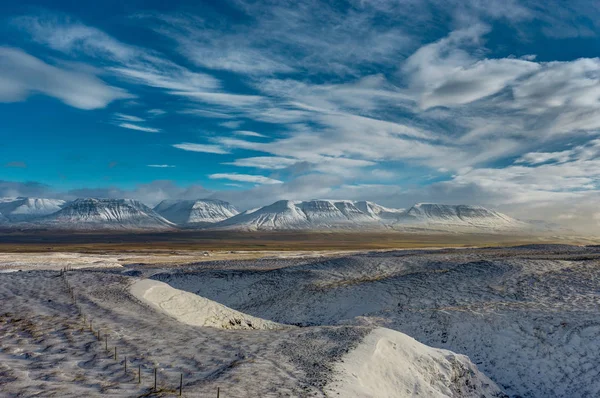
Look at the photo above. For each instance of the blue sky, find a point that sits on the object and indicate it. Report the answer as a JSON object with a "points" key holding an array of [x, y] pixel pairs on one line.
{"points": [[396, 101]]}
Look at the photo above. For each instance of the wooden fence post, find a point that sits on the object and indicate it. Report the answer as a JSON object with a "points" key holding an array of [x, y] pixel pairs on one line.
{"points": [[181, 384], [155, 379]]}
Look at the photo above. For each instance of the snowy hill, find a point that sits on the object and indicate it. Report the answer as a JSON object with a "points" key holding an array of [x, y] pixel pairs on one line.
{"points": [[91, 213], [308, 215], [362, 215], [389, 364], [26, 209], [195, 212], [457, 217]]}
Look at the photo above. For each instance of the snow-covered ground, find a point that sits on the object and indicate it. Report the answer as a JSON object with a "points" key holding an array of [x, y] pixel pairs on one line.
{"points": [[526, 317]]}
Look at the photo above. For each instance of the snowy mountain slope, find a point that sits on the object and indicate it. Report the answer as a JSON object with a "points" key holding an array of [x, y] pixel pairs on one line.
{"points": [[390, 364], [307, 215], [199, 212], [457, 217], [362, 215], [26, 209], [91, 213]]}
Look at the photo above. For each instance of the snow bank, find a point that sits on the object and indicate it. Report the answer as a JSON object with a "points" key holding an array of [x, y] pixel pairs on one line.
{"points": [[388, 363], [194, 310]]}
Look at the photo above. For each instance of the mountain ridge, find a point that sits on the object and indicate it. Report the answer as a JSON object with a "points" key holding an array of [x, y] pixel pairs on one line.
{"points": [[109, 214], [282, 215]]}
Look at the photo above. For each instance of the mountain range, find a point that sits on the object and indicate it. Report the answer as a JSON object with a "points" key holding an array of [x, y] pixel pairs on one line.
{"points": [[311, 215]]}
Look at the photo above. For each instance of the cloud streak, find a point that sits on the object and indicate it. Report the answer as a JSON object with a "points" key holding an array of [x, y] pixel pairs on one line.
{"points": [[22, 75], [191, 147]]}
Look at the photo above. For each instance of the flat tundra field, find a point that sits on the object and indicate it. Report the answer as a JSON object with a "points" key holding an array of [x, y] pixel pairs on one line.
{"points": [[471, 322]]}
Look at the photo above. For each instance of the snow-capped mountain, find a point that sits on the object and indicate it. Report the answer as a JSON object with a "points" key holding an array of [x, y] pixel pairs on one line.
{"points": [[27, 209], [310, 215], [362, 215], [195, 212], [457, 217], [91, 214]]}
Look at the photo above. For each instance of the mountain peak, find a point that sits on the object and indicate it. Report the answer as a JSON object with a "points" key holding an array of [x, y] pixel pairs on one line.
{"points": [[99, 213], [195, 212]]}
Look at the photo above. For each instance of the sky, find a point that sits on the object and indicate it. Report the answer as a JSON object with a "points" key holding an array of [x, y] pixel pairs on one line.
{"points": [[492, 102]]}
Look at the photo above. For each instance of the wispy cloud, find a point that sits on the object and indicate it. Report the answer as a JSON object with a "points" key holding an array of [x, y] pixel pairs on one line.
{"points": [[128, 118], [161, 166], [247, 133], [22, 75], [139, 128], [257, 179], [188, 146], [156, 112], [265, 162], [233, 124]]}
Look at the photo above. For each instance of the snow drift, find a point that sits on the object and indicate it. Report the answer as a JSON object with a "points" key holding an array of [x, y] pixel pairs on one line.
{"points": [[195, 310], [390, 364]]}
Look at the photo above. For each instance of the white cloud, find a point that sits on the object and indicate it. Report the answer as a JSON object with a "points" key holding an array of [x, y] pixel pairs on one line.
{"points": [[233, 124], [161, 166], [244, 178], [139, 128], [128, 118], [247, 133], [444, 73], [265, 162], [156, 112], [129, 62], [22, 75], [187, 146], [223, 99], [284, 38]]}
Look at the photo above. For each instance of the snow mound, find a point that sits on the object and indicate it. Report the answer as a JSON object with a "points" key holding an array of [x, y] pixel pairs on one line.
{"points": [[198, 212], [390, 364], [195, 310], [26, 209]]}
